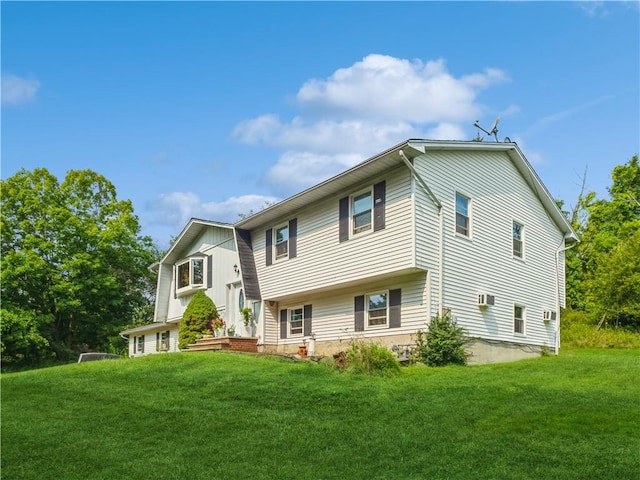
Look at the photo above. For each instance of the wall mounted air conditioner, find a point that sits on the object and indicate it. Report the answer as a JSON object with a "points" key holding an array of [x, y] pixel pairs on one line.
{"points": [[485, 300], [548, 315]]}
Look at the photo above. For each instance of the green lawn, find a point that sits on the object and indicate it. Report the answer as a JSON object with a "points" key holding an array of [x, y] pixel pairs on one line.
{"points": [[231, 416]]}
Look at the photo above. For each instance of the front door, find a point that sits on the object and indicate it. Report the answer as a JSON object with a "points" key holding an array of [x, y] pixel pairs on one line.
{"points": [[235, 296]]}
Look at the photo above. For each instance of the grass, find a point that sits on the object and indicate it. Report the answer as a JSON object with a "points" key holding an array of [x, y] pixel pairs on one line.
{"points": [[224, 416], [582, 335]]}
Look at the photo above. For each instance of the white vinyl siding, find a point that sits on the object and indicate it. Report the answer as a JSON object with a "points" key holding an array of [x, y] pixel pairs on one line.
{"points": [[150, 341], [332, 263], [224, 257], [484, 262], [333, 311]]}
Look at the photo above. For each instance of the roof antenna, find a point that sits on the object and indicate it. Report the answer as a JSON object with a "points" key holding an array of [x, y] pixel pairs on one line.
{"points": [[493, 131]]}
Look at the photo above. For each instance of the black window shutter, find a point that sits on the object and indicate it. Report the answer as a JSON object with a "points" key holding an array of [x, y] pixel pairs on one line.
{"points": [[359, 313], [157, 341], [283, 323], [343, 213], [175, 282], [395, 302], [269, 243], [210, 271], [379, 193], [293, 238], [307, 321]]}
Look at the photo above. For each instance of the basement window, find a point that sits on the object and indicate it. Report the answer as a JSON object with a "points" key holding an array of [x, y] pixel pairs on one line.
{"points": [[518, 320]]}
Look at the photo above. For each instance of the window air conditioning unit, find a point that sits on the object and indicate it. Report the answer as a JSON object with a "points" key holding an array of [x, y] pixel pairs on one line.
{"points": [[485, 300], [548, 315]]}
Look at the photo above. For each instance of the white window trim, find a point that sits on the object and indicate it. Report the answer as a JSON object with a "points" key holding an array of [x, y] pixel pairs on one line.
{"points": [[469, 215], [191, 287], [289, 313], [275, 245], [384, 325], [524, 320], [522, 240], [352, 197]]}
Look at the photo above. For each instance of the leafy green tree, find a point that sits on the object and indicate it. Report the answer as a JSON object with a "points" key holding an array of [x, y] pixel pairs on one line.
{"points": [[602, 270], [21, 343], [73, 255], [196, 319]]}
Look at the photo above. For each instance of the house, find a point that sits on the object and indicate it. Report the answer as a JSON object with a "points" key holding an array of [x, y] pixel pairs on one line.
{"points": [[422, 229], [202, 257]]}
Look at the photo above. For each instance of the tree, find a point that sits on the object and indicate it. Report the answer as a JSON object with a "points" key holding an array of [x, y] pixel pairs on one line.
{"points": [[21, 343], [602, 271], [73, 258], [196, 319]]}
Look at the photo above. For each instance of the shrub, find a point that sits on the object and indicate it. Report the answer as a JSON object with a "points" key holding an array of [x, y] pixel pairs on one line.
{"points": [[196, 319], [369, 358], [442, 344]]}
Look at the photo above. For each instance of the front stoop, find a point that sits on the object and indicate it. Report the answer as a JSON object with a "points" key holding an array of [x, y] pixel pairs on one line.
{"points": [[235, 344]]}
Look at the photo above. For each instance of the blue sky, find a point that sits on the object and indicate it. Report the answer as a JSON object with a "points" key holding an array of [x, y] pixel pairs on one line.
{"points": [[209, 109]]}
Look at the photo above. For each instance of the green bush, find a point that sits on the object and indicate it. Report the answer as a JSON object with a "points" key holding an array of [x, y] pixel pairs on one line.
{"points": [[369, 358], [442, 344], [196, 319], [21, 344]]}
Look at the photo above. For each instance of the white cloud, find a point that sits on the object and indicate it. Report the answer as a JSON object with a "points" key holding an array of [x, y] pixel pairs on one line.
{"points": [[363, 109], [17, 90], [446, 131], [295, 171], [392, 89], [177, 208], [593, 8]]}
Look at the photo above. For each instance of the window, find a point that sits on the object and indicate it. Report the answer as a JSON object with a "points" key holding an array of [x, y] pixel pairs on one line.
{"points": [[296, 319], [377, 309], [162, 341], [241, 299], [361, 206], [518, 319], [140, 346], [462, 215], [517, 239], [362, 212], [282, 241], [190, 274]]}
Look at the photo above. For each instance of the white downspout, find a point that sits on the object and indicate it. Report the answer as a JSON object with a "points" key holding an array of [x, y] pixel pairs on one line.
{"points": [[560, 249], [437, 203]]}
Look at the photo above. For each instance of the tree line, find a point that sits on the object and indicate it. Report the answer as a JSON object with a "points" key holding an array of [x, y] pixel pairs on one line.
{"points": [[75, 270], [603, 270]]}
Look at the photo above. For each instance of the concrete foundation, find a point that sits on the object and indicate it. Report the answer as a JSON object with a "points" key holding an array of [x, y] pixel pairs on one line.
{"points": [[482, 351]]}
